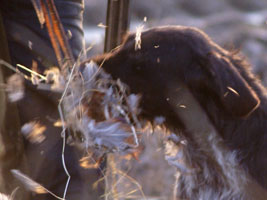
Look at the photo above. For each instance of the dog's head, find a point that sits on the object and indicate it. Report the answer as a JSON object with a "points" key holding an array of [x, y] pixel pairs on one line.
{"points": [[170, 55]]}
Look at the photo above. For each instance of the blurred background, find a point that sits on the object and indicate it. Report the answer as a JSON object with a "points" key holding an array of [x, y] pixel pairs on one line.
{"points": [[234, 24]]}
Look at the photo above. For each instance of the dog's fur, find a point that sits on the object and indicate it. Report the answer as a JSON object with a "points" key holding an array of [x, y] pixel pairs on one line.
{"points": [[175, 58]]}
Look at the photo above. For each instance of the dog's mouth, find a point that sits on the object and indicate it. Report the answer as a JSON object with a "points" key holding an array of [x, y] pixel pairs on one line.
{"points": [[102, 112]]}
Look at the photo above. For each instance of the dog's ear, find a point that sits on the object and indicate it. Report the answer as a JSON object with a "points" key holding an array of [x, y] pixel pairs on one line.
{"points": [[235, 94]]}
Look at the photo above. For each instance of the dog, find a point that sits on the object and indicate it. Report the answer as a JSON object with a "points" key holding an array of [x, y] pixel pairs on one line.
{"points": [[178, 68]]}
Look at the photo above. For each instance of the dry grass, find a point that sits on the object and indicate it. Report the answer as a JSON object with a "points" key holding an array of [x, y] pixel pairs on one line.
{"points": [[93, 105], [104, 118]]}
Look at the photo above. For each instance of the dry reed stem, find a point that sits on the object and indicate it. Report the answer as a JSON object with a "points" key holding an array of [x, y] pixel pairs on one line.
{"points": [[39, 12], [118, 178], [51, 34], [32, 72], [60, 32], [32, 185], [63, 134], [6, 64]]}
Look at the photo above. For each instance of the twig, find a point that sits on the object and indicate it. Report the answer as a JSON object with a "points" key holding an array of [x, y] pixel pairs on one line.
{"points": [[32, 72], [6, 64], [123, 174], [39, 12], [64, 131], [31, 184]]}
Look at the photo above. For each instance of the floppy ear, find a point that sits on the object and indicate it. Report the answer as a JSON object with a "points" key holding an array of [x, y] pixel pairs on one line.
{"points": [[237, 97]]}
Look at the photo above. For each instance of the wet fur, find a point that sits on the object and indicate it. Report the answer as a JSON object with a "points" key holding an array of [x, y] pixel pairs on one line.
{"points": [[228, 93]]}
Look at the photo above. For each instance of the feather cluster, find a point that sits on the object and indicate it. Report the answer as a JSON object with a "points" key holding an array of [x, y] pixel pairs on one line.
{"points": [[100, 112]]}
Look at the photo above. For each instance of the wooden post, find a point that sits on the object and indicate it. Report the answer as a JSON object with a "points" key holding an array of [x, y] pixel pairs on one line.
{"points": [[117, 23]]}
